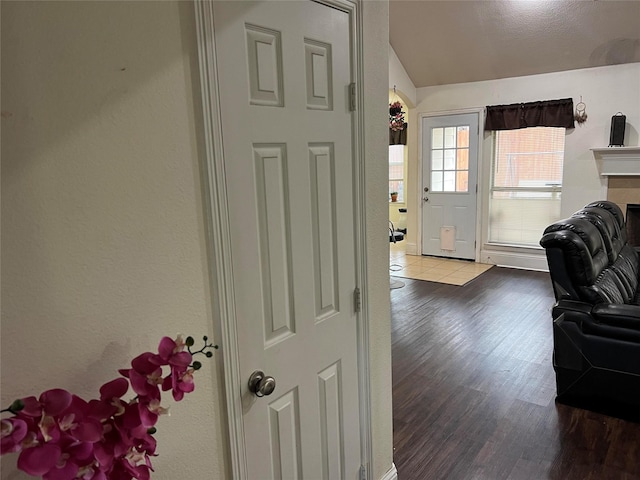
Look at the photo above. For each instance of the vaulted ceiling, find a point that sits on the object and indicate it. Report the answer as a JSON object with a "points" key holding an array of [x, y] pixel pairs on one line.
{"points": [[454, 41]]}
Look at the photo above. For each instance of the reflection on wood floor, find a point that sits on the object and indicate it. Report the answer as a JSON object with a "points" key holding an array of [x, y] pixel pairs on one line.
{"points": [[474, 388]]}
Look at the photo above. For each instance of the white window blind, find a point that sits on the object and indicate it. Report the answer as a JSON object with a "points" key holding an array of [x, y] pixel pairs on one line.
{"points": [[526, 184]]}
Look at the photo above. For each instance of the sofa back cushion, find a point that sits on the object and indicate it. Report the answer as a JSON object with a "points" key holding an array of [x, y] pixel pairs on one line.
{"points": [[607, 225], [584, 254], [578, 263], [615, 210], [627, 264], [608, 288]]}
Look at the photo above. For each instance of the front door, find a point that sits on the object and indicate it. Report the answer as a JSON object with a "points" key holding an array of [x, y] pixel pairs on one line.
{"points": [[449, 185], [284, 75]]}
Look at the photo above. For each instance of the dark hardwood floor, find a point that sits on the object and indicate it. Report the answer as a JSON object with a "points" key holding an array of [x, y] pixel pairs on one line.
{"points": [[474, 388]]}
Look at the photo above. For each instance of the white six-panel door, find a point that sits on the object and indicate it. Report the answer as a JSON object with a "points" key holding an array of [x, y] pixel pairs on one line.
{"points": [[284, 74]]}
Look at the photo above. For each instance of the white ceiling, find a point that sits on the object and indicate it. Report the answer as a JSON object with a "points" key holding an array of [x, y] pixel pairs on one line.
{"points": [[455, 41]]}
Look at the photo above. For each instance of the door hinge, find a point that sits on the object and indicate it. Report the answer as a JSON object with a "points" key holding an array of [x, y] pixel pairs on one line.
{"points": [[357, 300], [363, 472], [352, 97]]}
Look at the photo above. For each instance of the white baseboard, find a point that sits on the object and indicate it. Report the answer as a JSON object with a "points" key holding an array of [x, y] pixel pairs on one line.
{"points": [[392, 474], [527, 261], [411, 249]]}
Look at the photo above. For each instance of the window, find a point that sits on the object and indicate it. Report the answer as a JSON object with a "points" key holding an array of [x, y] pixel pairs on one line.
{"points": [[396, 171], [450, 159], [526, 184]]}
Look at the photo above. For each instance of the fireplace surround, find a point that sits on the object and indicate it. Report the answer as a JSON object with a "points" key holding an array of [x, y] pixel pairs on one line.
{"points": [[620, 166], [633, 224]]}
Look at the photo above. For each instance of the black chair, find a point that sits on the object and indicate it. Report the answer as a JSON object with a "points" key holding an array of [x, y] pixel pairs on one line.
{"points": [[395, 235]]}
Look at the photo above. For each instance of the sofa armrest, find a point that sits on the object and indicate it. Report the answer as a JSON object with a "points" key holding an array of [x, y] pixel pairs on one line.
{"points": [[607, 320], [572, 309], [617, 315]]}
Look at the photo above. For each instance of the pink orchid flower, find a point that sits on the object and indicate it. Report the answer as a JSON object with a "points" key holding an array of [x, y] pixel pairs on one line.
{"points": [[91, 472], [63, 470], [77, 421], [149, 409], [110, 403], [13, 431], [134, 464], [172, 353], [146, 385], [51, 403], [40, 459], [179, 382], [146, 374], [74, 457], [60, 436]]}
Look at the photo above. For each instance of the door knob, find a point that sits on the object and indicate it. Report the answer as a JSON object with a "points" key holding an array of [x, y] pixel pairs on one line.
{"points": [[426, 199], [426, 189], [261, 384]]}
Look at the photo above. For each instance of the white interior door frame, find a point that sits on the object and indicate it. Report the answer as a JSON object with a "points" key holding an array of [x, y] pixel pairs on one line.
{"points": [[481, 189], [221, 271]]}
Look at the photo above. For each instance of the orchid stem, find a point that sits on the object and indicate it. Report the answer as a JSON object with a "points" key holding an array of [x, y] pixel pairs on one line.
{"points": [[203, 349]]}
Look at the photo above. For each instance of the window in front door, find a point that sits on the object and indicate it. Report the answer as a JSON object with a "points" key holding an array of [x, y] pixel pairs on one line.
{"points": [[450, 159]]}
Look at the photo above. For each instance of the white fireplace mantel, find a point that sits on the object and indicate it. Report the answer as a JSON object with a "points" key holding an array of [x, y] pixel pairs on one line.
{"points": [[618, 161]]}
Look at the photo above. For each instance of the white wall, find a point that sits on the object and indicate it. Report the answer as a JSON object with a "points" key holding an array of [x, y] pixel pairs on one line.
{"points": [[399, 79], [376, 41], [104, 247], [103, 241], [604, 90]]}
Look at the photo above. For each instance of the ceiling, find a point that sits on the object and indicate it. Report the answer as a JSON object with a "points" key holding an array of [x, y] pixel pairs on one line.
{"points": [[455, 41]]}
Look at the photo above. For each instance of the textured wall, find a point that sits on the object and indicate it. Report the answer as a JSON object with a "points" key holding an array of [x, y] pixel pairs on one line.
{"points": [[103, 242]]}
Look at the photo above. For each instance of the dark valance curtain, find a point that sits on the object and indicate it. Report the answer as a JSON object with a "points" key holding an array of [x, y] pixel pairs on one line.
{"points": [[550, 113], [398, 137]]}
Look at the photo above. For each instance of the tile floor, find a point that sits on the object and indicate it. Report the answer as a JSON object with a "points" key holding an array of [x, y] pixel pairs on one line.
{"points": [[433, 269]]}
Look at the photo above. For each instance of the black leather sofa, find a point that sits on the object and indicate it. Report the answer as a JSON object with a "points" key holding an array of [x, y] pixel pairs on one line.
{"points": [[596, 318]]}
